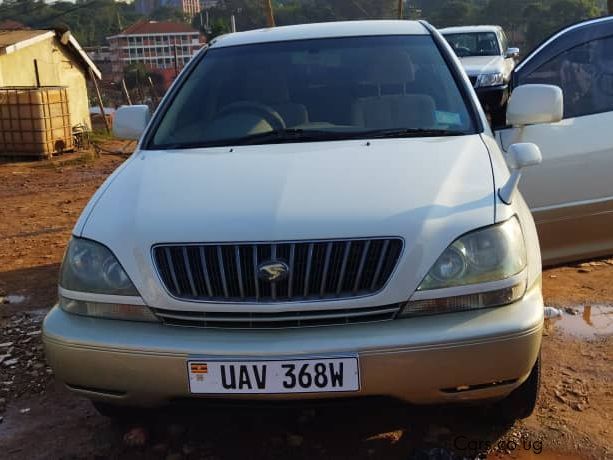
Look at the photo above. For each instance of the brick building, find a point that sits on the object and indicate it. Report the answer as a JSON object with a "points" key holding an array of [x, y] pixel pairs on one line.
{"points": [[163, 47]]}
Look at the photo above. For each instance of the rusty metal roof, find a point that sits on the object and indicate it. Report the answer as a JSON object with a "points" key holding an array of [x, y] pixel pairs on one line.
{"points": [[13, 37], [14, 40]]}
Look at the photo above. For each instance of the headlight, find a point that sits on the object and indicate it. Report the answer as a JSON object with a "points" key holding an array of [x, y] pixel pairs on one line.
{"points": [[490, 79], [91, 267], [490, 254], [107, 310]]}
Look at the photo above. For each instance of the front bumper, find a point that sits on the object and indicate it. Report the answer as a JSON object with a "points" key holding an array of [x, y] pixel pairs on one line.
{"points": [[418, 360]]}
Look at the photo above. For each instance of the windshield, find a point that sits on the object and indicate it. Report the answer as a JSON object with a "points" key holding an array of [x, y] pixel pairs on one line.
{"points": [[313, 90], [474, 44]]}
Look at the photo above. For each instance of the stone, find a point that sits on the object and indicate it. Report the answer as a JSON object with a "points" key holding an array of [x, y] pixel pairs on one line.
{"points": [[11, 362], [294, 440]]}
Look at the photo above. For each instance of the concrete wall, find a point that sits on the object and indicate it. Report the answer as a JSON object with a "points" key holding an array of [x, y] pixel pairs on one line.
{"points": [[56, 67]]}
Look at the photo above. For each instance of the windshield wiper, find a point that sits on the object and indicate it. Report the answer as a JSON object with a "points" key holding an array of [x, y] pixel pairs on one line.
{"points": [[288, 135], [411, 132], [305, 135]]}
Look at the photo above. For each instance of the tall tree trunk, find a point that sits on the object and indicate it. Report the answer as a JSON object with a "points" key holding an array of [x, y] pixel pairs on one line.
{"points": [[610, 5]]}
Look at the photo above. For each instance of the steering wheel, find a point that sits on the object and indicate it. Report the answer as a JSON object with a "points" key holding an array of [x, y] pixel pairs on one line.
{"points": [[265, 112]]}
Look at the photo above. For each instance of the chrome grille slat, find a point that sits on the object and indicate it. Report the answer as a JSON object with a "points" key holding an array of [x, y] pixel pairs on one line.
{"points": [[379, 264], [239, 270], [341, 277], [358, 277], [188, 269], [222, 271], [173, 273], [318, 270], [290, 283], [250, 320], [256, 279], [307, 272], [324, 276], [205, 272]]}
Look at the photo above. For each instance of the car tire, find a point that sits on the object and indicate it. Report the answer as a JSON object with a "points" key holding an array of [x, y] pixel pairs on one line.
{"points": [[521, 402]]}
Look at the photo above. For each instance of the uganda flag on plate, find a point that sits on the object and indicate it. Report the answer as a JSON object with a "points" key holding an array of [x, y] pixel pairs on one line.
{"points": [[199, 368]]}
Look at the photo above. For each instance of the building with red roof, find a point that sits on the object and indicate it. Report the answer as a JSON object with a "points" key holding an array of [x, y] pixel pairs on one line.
{"points": [[163, 47]]}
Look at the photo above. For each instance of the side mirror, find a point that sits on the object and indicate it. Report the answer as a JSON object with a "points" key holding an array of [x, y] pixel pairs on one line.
{"points": [[533, 104], [512, 53], [130, 121], [521, 156]]}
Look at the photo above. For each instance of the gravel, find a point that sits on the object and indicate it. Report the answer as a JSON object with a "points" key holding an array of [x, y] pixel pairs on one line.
{"points": [[24, 370]]}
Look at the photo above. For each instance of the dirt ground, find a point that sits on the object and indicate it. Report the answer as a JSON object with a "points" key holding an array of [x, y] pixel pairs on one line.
{"points": [[39, 204]]}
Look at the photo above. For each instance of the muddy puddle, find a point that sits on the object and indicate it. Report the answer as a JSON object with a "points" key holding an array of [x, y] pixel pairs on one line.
{"points": [[583, 321]]}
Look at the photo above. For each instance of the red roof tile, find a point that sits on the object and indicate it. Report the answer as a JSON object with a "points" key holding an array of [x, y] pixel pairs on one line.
{"points": [[154, 27]]}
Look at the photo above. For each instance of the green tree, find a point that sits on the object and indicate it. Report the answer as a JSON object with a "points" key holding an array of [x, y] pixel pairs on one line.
{"points": [[135, 75], [167, 13]]}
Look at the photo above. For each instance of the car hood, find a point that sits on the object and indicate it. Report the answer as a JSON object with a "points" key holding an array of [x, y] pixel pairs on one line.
{"points": [[427, 191], [475, 65]]}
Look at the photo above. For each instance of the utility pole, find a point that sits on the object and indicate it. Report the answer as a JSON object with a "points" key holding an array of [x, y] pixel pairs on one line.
{"points": [[125, 91], [400, 4], [232, 23], [270, 17], [99, 99]]}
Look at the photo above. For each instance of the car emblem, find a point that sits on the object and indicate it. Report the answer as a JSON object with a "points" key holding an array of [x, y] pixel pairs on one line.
{"points": [[273, 271]]}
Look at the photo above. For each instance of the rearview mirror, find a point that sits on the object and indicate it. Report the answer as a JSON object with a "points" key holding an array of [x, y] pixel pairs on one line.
{"points": [[520, 156], [533, 104], [512, 53], [130, 121]]}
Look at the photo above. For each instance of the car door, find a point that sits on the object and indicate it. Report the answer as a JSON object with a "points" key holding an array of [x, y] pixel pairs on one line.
{"points": [[571, 192]]}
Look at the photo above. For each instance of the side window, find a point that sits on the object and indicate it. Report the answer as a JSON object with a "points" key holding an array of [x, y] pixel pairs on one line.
{"points": [[585, 74]]}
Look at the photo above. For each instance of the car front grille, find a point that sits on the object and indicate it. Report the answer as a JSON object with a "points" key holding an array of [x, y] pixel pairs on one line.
{"points": [[250, 320], [316, 270]]}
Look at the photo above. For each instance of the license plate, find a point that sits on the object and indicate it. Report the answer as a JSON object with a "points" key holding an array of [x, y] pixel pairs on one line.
{"points": [[208, 376]]}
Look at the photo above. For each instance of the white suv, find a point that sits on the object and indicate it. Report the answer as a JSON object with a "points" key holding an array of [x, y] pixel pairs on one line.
{"points": [[314, 211], [489, 62]]}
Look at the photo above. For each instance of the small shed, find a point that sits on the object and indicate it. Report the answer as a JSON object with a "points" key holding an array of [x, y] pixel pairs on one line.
{"points": [[45, 58]]}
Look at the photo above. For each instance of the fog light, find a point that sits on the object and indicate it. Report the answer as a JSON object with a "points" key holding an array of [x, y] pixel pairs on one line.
{"points": [[467, 302]]}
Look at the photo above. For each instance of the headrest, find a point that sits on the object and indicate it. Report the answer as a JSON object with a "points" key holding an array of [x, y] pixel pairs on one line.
{"points": [[391, 66]]}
